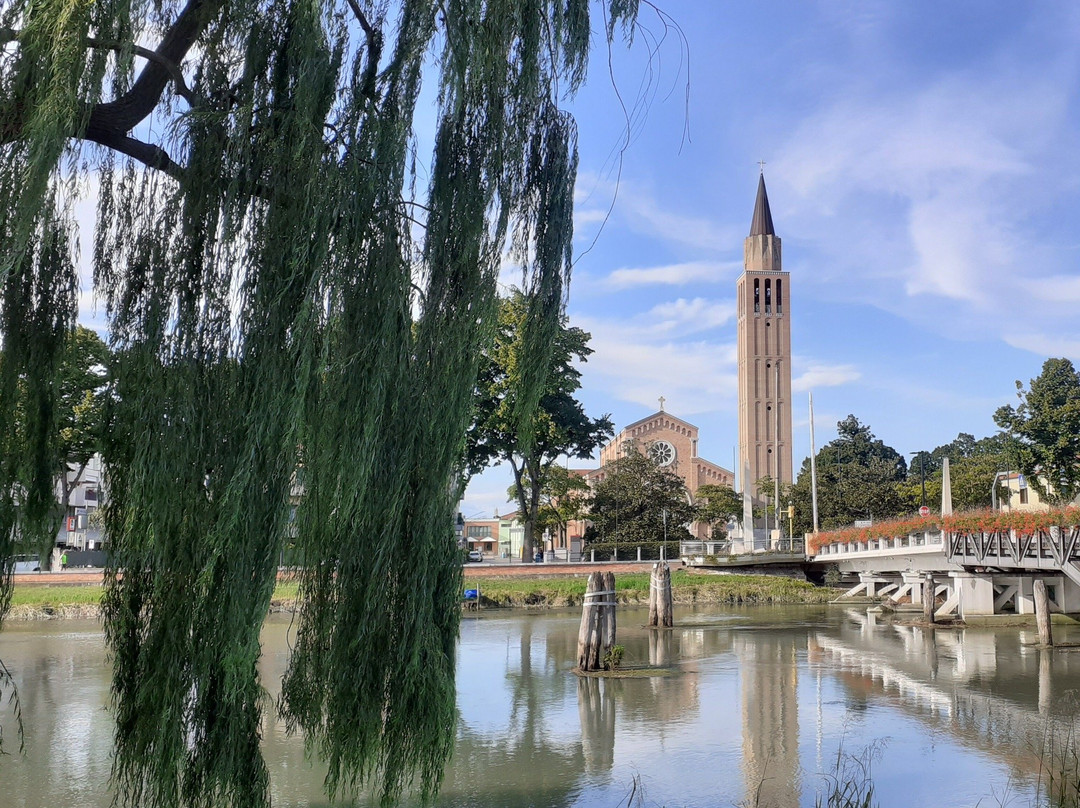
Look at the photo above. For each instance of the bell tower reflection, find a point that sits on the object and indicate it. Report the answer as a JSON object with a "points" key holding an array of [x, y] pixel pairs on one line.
{"points": [[770, 718]]}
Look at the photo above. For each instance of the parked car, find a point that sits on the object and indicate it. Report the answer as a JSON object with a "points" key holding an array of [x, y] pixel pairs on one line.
{"points": [[27, 563], [476, 555]]}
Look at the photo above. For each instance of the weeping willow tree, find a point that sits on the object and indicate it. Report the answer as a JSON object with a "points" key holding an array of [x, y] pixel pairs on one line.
{"points": [[296, 298]]}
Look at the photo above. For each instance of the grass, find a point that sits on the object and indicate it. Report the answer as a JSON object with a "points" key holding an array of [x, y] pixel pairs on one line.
{"points": [[631, 588], [510, 592], [54, 596], [44, 597]]}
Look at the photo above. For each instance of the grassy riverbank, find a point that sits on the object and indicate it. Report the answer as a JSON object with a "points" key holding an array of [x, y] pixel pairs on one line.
{"points": [[45, 602], [631, 588]]}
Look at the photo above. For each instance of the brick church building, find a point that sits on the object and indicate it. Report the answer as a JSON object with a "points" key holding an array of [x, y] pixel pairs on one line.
{"points": [[672, 443]]}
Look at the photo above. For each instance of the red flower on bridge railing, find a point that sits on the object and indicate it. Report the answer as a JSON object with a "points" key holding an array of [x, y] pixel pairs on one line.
{"points": [[1023, 522], [967, 523], [879, 530]]}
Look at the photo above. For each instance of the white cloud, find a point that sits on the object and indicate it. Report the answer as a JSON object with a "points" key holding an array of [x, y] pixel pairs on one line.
{"points": [[819, 375], [690, 316], [673, 274], [637, 209], [933, 191], [1056, 289], [1051, 344]]}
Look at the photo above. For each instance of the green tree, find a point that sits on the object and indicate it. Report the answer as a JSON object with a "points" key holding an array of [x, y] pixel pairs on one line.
{"points": [[81, 399], [631, 503], [289, 284], [718, 505], [1046, 429], [559, 426], [972, 467], [857, 479], [563, 499]]}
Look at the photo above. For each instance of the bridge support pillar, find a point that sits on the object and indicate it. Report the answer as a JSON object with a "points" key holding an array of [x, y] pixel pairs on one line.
{"points": [[1025, 595], [913, 586], [870, 581], [976, 593]]}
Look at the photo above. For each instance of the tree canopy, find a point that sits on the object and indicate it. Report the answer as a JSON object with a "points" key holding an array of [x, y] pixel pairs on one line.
{"points": [[638, 502], [558, 426], [1045, 427], [857, 479], [718, 504], [297, 299]]}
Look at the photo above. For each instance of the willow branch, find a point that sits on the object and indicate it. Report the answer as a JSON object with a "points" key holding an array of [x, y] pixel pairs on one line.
{"points": [[134, 106], [148, 154], [175, 73], [173, 68], [375, 43], [110, 123]]}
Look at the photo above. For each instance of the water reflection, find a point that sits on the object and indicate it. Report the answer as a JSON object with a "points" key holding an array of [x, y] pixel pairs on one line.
{"points": [[770, 717], [596, 712], [756, 705]]}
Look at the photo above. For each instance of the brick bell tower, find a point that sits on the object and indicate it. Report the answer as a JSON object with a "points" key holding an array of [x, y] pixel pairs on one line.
{"points": [[764, 351]]}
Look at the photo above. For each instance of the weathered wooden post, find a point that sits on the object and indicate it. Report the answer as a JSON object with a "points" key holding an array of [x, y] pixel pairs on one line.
{"points": [[661, 610], [596, 635], [653, 590], [1042, 614], [607, 613], [928, 598]]}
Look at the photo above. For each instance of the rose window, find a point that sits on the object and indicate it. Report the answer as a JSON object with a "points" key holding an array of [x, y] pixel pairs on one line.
{"points": [[662, 453]]}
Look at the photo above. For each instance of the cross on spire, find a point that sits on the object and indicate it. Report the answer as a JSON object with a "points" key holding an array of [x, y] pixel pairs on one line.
{"points": [[761, 166], [662, 400]]}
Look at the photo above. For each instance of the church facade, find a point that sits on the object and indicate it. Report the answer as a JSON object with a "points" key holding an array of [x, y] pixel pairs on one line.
{"points": [[672, 443]]}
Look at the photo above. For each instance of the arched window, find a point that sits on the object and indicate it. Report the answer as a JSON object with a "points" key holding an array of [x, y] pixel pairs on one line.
{"points": [[779, 296], [768, 296], [757, 296]]}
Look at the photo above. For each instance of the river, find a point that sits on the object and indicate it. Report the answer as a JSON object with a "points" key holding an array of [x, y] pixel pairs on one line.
{"points": [[757, 707]]}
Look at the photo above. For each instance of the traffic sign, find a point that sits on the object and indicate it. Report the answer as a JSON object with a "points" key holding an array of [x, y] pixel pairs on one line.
{"points": [[924, 511]]}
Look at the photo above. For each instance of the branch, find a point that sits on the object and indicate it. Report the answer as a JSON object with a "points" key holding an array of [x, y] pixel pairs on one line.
{"points": [[134, 106], [12, 35], [146, 153], [109, 124], [175, 73], [375, 42]]}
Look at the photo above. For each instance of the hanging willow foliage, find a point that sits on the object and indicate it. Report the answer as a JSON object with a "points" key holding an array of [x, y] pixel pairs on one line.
{"points": [[294, 326]]}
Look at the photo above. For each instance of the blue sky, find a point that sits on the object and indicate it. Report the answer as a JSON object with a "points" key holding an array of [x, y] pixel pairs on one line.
{"points": [[923, 174]]}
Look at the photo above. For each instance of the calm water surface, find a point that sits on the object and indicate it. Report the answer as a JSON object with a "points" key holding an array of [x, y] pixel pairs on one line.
{"points": [[756, 707]]}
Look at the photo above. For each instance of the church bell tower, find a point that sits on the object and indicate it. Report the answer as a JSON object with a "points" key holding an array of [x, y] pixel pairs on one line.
{"points": [[763, 297]]}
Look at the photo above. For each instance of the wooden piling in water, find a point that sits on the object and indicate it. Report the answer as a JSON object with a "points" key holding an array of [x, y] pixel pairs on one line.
{"points": [[596, 634], [654, 617], [607, 618], [928, 599], [1042, 614]]}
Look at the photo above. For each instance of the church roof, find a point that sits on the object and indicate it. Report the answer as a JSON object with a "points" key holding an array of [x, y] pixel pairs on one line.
{"points": [[762, 224], [656, 414]]}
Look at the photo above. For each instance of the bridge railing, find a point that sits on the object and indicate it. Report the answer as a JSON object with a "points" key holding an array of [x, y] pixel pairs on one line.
{"points": [[927, 540], [718, 547]]}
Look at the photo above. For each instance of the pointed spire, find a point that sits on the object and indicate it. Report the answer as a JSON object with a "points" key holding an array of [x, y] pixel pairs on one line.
{"points": [[762, 224]]}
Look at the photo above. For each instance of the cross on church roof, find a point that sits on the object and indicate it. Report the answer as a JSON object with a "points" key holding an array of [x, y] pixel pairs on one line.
{"points": [[761, 166], [662, 400]]}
